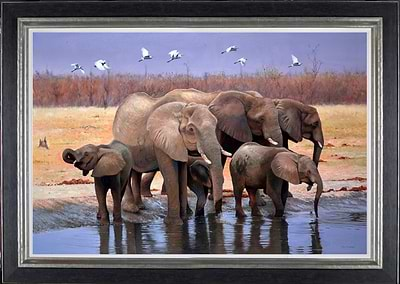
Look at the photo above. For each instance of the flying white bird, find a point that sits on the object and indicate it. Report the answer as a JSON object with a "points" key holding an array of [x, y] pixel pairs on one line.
{"points": [[242, 61], [174, 54], [145, 55], [101, 65], [77, 67], [230, 49], [295, 62]]}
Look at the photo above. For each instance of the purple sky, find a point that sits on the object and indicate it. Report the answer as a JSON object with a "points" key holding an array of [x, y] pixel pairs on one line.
{"points": [[201, 51]]}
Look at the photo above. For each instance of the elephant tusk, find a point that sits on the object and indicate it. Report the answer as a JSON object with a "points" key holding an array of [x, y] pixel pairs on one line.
{"points": [[270, 140], [226, 153], [205, 158], [320, 145]]}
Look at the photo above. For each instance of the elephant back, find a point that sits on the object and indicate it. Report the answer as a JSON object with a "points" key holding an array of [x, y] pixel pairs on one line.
{"points": [[130, 120]]}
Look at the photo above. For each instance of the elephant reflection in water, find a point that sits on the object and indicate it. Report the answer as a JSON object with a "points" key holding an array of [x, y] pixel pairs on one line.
{"points": [[104, 234], [278, 242], [206, 237], [278, 237], [316, 247]]}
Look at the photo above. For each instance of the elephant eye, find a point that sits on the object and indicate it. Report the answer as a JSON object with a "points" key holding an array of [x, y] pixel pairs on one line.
{"points": [[86, 154], [315, 124]]}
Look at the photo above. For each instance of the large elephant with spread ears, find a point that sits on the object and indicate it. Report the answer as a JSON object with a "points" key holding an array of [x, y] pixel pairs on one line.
{"points": [[242, 117], [161, 136]]}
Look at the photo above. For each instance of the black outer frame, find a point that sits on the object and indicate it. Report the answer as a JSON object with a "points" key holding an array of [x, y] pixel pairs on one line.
{"points": [[388, 10]]}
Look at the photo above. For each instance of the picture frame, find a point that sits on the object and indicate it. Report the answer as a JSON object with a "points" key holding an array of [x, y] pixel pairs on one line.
{"points": [[17, 263]]}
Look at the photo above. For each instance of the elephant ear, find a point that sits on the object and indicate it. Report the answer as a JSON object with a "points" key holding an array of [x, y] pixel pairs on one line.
{"points": [[231, 115], [284, 166], [110, 163], [290, 119], [163, 127]]}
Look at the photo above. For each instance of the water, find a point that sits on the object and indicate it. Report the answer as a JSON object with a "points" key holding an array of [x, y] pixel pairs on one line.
{"points": [[336, 231]]}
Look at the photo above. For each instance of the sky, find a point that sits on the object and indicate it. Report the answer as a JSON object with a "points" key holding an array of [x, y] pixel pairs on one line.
{"points": [[201, 51]]}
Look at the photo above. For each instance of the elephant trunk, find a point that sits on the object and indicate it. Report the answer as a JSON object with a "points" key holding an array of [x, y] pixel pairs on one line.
{"points": [[273, 136], [318, 140], [208, 146], [68, 156], [320, 187]]}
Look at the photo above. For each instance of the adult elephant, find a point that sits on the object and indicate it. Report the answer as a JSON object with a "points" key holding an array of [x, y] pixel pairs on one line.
{"points": [[298, 121], [160, 137], [242, 117]]}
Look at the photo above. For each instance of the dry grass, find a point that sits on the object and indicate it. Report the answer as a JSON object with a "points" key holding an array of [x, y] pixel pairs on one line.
{"points": [[74, 126]]}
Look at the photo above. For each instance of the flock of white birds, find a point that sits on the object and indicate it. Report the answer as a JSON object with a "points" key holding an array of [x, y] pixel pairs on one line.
{"points": [[101, 64]]}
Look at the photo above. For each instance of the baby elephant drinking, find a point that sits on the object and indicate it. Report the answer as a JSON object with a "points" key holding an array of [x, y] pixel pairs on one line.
{"points": [[254, 166], [111, 165]]}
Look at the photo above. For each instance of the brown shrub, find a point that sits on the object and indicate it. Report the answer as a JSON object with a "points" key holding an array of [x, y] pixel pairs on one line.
{"points": [[94, 90]]}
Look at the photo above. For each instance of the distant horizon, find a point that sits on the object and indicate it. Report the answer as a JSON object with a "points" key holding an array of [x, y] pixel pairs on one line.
{"points": [[337, 51]]}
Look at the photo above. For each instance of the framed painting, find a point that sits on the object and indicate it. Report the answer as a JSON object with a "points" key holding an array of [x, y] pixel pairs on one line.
{"points": [[200, 141]]}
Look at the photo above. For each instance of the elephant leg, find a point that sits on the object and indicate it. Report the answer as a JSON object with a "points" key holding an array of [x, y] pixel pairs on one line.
{"points": [[238, 188], [163, 189], [273, 189], [136, 179], [145, 184], [253, 202], [128, 200], [183, 198], [101, 194], [170, 171], [116, 195]]}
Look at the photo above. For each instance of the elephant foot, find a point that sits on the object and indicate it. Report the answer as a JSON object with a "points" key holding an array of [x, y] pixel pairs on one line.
{"points": [[289, 194], [200, 212], [117, 220], [255, 212], [240, 213], [130, 207], [104, 221], [175, 221], [278, 213]]}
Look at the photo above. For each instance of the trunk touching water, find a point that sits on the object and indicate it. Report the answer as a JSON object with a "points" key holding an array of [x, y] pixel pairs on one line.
{"points": [[210, 147], [320, 187]]}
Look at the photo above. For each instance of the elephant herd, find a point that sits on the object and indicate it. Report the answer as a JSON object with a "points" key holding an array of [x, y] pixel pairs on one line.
{"points": [[187, 135]]}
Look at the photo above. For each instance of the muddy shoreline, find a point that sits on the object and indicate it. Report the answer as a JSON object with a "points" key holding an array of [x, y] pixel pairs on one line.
{"points": [[70, 206]]}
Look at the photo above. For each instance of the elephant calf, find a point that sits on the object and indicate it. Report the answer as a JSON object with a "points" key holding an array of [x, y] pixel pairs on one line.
{"points": [[254, 166], [111, 165]]}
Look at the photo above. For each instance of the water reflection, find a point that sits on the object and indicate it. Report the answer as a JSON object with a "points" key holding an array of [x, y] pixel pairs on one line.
{"points": [[298, 233], [204, 235]]}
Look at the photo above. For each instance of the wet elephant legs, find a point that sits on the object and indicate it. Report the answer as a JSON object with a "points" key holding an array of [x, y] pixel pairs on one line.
{"points": [[175, 179], [132, 200], [253, 202], [101, 194]]}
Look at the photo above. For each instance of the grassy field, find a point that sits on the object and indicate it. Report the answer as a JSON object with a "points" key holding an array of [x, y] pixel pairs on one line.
{"points": [[343, 157]]}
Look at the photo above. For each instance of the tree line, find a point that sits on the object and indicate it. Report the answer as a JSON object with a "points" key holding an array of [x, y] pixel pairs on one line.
{"points": [[311, 86]]}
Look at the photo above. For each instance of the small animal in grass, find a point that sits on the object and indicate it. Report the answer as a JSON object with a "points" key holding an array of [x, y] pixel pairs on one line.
{"points": [[254, 166], [43, 143], [111, 165]]}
